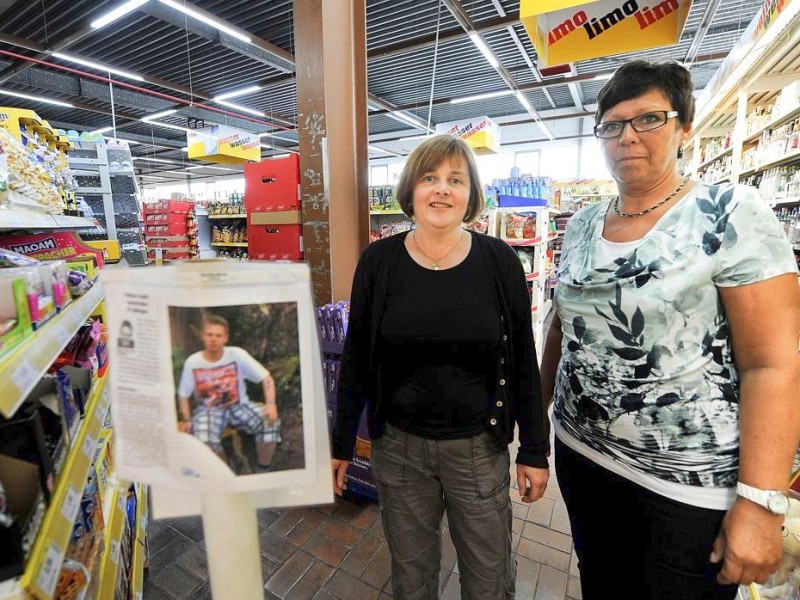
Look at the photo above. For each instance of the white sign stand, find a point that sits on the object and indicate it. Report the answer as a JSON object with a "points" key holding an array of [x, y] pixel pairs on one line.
{"points": [[230, 528]]}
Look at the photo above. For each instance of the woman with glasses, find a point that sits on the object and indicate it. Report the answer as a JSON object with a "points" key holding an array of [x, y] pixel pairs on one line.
{"points": [[672, 363]]}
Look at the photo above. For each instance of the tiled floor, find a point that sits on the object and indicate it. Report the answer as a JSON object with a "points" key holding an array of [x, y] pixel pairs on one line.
{"points": [[339, 551]]}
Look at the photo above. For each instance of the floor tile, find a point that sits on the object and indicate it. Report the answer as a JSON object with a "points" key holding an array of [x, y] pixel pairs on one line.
{"points": [[311, 582], [552, 584], [361, 555], [324, 549], [347, 587], [176, 582], [289, 573]]}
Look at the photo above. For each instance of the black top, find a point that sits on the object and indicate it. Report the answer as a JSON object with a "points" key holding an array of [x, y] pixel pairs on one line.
{"points": [[515, 397], [441, 344]]}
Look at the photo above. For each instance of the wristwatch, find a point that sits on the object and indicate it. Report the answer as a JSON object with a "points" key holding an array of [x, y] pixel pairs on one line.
{"points": [[774, 501]]}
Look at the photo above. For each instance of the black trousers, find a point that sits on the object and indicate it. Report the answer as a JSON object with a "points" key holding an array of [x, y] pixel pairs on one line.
{"points": [[634, 544]]}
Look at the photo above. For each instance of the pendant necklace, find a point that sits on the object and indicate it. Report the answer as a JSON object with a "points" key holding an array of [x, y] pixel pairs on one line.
{"points": [[435, 261], [652, 208]]}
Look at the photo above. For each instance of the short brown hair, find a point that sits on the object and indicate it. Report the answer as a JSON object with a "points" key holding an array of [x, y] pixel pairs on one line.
{"points": [[638, 77], [216, 320], [426, 158]]}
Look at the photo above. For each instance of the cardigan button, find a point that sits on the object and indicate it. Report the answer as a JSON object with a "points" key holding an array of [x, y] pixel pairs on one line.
{"points": [[493, 421], [502, 382], [499, 404]]}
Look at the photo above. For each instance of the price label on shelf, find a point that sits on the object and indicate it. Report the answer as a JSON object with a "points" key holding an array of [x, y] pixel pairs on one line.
{"points": [[89, 446], [71, 502], [48, 575], [62, 335], [115, 551], [25, 376]]}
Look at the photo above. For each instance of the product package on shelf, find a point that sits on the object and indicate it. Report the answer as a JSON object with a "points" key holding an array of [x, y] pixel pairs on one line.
{"points": [[170, 230], [272, 184]]}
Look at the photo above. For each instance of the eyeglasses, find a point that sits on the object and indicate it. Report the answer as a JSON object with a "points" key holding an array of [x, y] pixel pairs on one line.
{"points": [[645, 122]]}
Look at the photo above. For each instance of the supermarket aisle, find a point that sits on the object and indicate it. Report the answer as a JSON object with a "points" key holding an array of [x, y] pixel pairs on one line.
{"points": [[339, 551]]}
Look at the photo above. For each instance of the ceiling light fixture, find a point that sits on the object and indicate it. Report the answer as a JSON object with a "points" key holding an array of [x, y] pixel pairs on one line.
{"points": [[602, 76], [102, 130], [36, 98], [119, 139], [240, 92], [117, 13], [207, 19], [241, 108], [412, 138], [213, 167], [481, 45], [269, 134], [267, 146], [524, 101], [485, 96], [410, 119], [96, 65], [376, 149], [158, 115], [156, 160]]}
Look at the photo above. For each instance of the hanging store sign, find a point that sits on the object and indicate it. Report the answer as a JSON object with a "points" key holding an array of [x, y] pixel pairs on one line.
{"points": [[223, 144], [601, 28], [481, 133]]}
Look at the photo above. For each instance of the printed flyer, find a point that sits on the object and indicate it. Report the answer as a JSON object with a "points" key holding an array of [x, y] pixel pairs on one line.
{"points": [[217, 383]]}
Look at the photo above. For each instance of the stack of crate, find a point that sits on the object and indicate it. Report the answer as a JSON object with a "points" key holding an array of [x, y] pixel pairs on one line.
{"points": [[166, 229]]}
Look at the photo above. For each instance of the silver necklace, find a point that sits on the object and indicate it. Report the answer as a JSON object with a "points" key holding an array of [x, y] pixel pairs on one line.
{"points": [[652, 208], [435, 261]]}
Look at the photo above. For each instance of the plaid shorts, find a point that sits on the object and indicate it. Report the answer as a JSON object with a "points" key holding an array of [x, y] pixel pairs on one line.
{"points": [[209, 423]]}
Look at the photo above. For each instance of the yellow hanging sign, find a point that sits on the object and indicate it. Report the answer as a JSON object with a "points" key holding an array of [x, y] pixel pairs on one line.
{"points": [[481, 133], [602, 27], [223, 144]]}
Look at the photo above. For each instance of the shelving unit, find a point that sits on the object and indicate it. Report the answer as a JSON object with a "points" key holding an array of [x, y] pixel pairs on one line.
{"points": [[762, 64], [112, 194], [44, 563], [18, 219], [25, 364]]}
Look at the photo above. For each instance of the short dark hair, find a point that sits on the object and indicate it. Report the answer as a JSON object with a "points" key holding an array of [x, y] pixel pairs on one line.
{"points": [[426, 158], [216, 320], [638, 77]]}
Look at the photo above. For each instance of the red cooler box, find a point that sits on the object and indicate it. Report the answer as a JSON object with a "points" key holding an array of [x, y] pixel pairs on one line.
{"points": [[274, 235], [272, 184]]}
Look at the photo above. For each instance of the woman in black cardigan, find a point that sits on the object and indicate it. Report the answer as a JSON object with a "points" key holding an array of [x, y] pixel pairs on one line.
{"points": [[440, 349]]}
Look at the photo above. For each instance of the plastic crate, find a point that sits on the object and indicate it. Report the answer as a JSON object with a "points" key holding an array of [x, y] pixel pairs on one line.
{"points": [[123, 184], [127, 220], [88, 181], [125, 203], [95, 202], [130, 237], [166, 229]]}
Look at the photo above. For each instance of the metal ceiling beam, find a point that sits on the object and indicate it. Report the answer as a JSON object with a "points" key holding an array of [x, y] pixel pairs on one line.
{"points": [[702, 29], [259, 49]]}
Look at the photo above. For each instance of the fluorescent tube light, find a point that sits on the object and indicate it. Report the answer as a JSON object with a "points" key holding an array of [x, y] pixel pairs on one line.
{"points": [[213, 167], [523, 100], [36, 98], [158, 115], [410, 119], [240, 92], [269, 134], [601, 77], [156, 160], [241, 108], [412, 138], [485, 96], [481, 45], [167, 125], [544, 129], [267, 146], [178, 172], [118, 12], [99, 66], [119, 139], [376, 149], [102, 130], [207, 19]]}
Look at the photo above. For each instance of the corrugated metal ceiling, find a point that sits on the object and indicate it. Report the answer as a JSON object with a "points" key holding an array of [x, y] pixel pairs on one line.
{"points": [[191, 65]]}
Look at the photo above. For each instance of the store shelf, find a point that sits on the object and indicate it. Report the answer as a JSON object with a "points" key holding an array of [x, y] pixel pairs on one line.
{"points": [[18, 219], [24, 365], [715, 158], [230, 244], [782, 120], [44, 563], [115, 520], [528, 242], [786, 159], [387, 212], [236, 216], [139, 545]]}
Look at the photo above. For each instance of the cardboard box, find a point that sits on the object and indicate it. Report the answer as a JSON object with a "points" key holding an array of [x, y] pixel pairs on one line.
{"points": [[275, 242], [109, 248], [26, 505], [272, 184], [162, 229]]}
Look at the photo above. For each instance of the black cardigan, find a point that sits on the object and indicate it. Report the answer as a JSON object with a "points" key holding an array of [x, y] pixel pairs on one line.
{"points": [[517, 395]]}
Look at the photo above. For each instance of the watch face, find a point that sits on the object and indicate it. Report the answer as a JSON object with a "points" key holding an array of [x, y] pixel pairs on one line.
{"points": [[778, 504]]}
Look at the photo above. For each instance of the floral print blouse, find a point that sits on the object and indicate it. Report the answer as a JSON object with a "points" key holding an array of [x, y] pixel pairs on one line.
{"points": [[647, 378]]}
